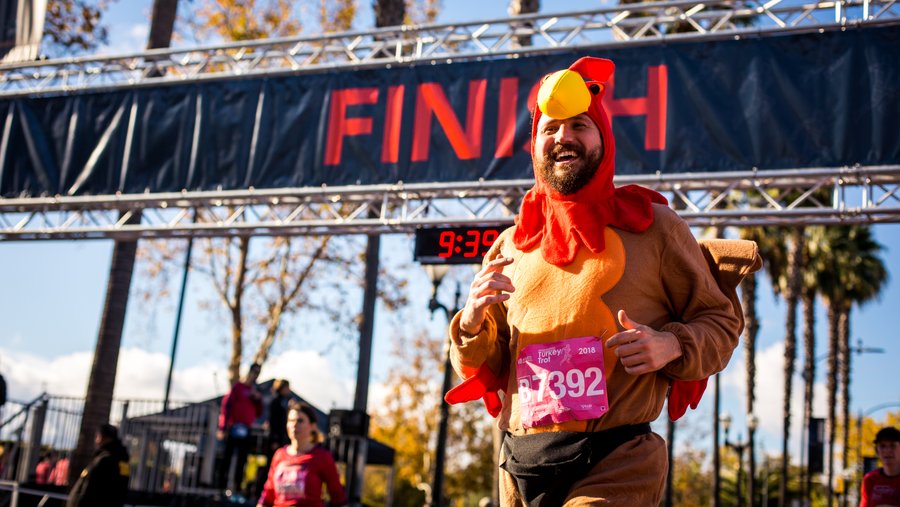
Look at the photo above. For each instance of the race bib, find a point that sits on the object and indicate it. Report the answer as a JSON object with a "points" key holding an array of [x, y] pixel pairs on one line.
{"points": [[290, 481], [561, 381]]}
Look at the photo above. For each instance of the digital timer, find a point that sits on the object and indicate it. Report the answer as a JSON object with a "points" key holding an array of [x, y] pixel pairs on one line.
{"points": [[454, 245]]}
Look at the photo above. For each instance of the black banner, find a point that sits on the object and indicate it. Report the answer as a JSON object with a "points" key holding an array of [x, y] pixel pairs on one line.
{"points": [[792, 101]]}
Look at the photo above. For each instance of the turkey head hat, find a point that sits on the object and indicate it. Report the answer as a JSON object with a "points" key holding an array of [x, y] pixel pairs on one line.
{"points": [[562, 223]]}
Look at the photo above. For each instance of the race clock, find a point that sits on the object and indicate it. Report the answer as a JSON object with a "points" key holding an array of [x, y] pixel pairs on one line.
{"points": [[454, 245]]}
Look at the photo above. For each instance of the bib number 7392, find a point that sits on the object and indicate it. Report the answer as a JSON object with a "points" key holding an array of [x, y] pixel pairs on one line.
{"points": [[556, 384], [561, 381]]}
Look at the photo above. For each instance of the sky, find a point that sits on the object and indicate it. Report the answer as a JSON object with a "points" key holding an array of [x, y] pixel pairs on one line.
{"points": [[52, 292]]}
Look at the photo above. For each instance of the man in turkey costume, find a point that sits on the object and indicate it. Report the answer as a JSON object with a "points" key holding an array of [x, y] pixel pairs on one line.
{"points": [[588, 311]]}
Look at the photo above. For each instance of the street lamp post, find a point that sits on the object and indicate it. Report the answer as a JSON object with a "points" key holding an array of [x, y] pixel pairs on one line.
{"points": [[436, 274], [739, 448]]}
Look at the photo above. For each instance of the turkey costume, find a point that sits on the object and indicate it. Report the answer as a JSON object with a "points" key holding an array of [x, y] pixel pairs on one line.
{"points": [[576, 423]]}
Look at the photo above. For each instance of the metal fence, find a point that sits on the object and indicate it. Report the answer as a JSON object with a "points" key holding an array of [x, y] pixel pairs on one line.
{"points": [[169, 450], [172, 451]]}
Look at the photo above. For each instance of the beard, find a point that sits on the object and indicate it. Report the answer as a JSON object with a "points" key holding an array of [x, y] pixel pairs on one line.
{"points": [[578, 175]]}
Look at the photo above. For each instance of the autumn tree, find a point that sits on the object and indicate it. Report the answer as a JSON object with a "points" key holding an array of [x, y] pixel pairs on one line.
{"points": [[74, 26], [408, 422], [239, 20], [260, 287]]}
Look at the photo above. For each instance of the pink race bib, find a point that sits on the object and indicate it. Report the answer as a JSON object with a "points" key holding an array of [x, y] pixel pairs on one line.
{"points": [[561, 381]]}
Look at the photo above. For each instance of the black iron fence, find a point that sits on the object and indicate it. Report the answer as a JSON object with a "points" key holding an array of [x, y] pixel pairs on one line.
{"points": [[172, 451]]}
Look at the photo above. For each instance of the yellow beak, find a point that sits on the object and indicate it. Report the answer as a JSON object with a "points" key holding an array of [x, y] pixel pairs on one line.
{"points": [[563, 95]]}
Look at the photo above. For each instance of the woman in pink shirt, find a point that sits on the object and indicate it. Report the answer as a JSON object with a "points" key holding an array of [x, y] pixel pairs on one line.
{"points": [[300, 469]]}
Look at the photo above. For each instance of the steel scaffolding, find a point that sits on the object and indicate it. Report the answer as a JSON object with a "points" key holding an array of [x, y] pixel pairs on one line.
{"points": [[626, 24], [810, 196]]}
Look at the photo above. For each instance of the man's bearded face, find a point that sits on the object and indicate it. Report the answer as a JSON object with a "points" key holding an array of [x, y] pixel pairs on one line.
{"points": [[567, 152]]}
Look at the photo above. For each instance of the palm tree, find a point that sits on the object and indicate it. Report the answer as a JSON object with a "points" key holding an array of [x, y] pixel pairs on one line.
{"points": [[864, 277], [751, 331], [808, 298], [789, 286], [102, 380], [849, 271]]}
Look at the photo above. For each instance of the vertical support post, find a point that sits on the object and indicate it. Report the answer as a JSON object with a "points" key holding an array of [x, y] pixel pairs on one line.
{"points": [[209, 445], [366, 329], [670, 444], [717, 485], [33, 449], [751, 466], [437, 488], [177, 331], [389, 495]]}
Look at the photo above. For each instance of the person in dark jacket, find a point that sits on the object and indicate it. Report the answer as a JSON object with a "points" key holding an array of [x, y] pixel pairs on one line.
{"points": [[104, 483], [278, 436]]}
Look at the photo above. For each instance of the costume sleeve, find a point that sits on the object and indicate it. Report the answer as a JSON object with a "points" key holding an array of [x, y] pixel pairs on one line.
{"points": [[333, 481], [703, 318], [489, 346], [267, 497]]}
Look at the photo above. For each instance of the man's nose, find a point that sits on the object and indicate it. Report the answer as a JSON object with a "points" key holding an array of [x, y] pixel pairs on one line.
{"points": [[564, 133]]}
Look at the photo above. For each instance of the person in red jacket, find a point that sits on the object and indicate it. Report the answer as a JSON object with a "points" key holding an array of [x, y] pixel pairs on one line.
{"points": [[301, 468], [240, 409], [881, 487]]}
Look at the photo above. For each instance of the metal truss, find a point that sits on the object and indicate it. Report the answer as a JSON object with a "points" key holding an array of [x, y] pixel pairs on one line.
{"points": [[638, 23], [858, 195]]}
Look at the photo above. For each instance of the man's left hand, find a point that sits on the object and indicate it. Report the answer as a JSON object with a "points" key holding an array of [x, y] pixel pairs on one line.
{"points": [[642, 349]]}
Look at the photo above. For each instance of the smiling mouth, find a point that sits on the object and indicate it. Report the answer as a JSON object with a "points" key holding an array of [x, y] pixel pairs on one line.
{"points": [[565, 156]]}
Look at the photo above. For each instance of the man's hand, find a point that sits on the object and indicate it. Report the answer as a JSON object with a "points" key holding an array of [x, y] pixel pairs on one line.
{"points": [[489, 287], [642, 349]]}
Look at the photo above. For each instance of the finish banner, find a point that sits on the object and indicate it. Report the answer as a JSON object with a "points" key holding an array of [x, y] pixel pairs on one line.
{"points": [[775, 102]]}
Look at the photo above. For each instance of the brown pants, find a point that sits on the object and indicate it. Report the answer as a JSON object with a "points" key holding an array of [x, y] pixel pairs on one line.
{"points": [[633, 475]]}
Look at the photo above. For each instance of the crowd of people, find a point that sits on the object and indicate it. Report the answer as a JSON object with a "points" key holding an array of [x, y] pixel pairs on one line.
{"points": [[297, 465]]}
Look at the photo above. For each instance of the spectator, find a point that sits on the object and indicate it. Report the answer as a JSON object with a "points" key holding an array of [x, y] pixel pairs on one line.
{"points": [[300, 469], [2, 391], [104, 482], [240, 409], [60, 474], [44, 468], [881, 487], [278, 436]]}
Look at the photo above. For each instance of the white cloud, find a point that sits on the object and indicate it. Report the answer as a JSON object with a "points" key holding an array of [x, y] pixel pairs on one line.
{"points": [[139, 31], [142, 375], [770, 397], [131, 39], [312, 377]]}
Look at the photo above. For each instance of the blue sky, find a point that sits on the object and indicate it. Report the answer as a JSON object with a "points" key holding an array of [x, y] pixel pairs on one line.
{"points": [[52, 294]]}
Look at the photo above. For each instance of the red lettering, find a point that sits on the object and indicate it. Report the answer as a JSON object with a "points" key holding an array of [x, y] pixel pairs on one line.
{"points": [[339, 126], [506, 117], [431, 99], [653, 106], [393, 115]]}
